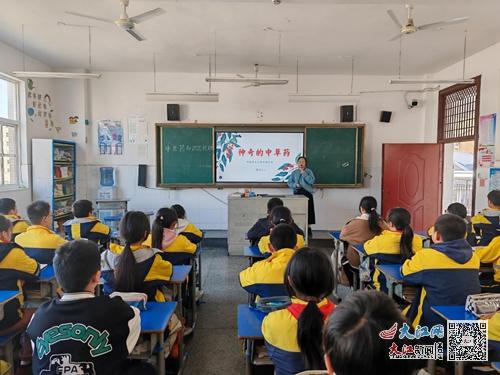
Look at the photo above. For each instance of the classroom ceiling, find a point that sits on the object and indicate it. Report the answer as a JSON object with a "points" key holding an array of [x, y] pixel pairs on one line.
{"points": [[321, 34]]}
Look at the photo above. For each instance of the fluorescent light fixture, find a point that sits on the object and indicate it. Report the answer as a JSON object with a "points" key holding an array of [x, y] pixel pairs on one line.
{"points": [[258, 81], [404, 81], [304, 98], [182, 97], [24, 74]]}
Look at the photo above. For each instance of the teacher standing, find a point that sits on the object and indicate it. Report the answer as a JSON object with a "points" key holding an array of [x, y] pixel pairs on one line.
{"points": [[301, 182]]}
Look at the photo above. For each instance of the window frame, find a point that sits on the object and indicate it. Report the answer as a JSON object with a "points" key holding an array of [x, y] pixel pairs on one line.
{"points": [[17, 124]]}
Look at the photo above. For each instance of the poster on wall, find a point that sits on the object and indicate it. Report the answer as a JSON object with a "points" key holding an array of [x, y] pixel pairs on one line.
{"points": [[486, 142], [39, 107], [110, 134], [257, 157], [137, 130], [494, 179]]}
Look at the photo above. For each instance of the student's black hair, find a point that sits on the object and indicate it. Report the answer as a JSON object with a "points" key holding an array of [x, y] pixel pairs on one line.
{"points": [[494, 197], [302, 157], [179, 210], [134, 228], [75, 263], [356, 321], [283, 236], [273, 202], [280, 215], [37, 211], [82, 208], [369, 205], [401, 219], [450, 227], [5, 224], [7, 205], [309, 274], [457, 209], [165, 217]]}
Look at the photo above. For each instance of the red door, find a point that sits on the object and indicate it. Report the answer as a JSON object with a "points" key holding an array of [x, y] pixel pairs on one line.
{"points": [[412, 179]]}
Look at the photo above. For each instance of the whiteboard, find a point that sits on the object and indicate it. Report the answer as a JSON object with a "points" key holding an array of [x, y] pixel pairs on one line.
{"points": [[257, 157]]}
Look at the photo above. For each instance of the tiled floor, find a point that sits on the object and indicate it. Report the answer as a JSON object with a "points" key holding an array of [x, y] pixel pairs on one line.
{"points": [[214, 347]]}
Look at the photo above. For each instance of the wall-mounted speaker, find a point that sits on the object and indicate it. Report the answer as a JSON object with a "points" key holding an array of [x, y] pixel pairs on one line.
{"points": [[385, 116], [142, 174], [173, 112], [347, 113]]}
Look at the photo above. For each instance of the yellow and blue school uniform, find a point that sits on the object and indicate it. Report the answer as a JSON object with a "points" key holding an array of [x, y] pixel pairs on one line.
{"points": [[385, 248], [19, 225], [189, 230], [490, 254], [87, 227], [266, 240], [446, 273], [152, 271], [40, 243], [15, 268], [279, 329], [180, 251], [494, 337], [266, 278], [486, 224]]}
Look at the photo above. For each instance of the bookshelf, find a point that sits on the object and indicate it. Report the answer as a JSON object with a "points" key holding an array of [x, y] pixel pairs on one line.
{"points": [[54, 176]]}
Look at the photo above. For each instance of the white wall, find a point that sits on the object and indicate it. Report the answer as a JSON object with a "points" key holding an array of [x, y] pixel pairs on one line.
{"points": [[119, 95]]}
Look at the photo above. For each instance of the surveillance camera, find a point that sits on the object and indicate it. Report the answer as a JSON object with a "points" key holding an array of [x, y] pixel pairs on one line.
{"points": [[276, 2], [413, 103]]}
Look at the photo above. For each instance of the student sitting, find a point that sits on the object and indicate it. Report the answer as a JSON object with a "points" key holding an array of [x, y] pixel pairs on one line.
{"points": [[15, 268], [263, 226], [394, 245], [184, 227], [461, 211], [85, 225], [135, 268], [39, 242], [281, 215], [359, 230], [486, 223], [446, 273], [176, 247], [490, 283], [358, 320], [9, 210], [293, 335], [266, 277], [94, 334]]}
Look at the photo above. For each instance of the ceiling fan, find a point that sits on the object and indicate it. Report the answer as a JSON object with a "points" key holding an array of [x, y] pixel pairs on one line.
{"points": [[125, 22], [250, 81], [410, 28]]}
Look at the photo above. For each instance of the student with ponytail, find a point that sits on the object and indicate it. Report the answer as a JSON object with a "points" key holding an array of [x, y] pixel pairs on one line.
{"points": [[280, 215], [293, 335], [135, 267], [359, 230], [394, 245], [176, 247]]}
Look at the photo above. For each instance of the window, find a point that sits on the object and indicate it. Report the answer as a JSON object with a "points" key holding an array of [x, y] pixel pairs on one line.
{"points": [[458, 116], [9, 132]]}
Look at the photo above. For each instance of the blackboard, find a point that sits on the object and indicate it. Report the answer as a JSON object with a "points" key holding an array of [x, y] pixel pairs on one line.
{"points": [[186, 156], [335, 155]]}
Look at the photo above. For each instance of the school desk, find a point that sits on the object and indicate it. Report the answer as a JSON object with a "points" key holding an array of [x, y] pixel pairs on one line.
{"points": [[249, 329], [154, 322], [6, 296], [180, 277], [335, 234], [42, 288], [496, 366], [253, 253], [392, 273]]}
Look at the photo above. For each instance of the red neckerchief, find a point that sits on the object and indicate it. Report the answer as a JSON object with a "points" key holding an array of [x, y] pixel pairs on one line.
{"points": [[297, 308]]}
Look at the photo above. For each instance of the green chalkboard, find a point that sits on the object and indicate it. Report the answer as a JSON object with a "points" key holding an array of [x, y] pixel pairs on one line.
{"points": [[186, 156], [335, 155]]}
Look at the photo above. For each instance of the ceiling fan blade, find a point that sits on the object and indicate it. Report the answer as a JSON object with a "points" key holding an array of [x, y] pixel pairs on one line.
{"points": [[400, 35], [135, 34], [436, 25], [91, 17], [250, 85], [147, 15], [240, 75], [394, 18]]}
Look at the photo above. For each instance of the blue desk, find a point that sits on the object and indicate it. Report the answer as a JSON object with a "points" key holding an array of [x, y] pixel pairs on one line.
{"points": [[335, 234], [47, 274], [392, 273], [253, 253], [180, 277], [496, 366], [360, 249], [6, 296], [453, 312], [154, 323], [45, 287], [249, 330]]}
